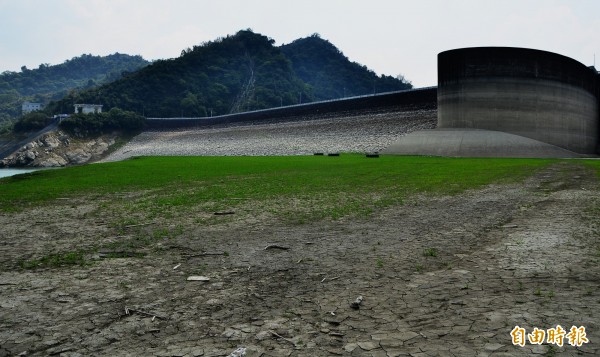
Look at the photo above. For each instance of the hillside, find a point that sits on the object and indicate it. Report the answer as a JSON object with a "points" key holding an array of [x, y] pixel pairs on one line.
{"points": [[236, 73], [331, 74], [48, 82]]}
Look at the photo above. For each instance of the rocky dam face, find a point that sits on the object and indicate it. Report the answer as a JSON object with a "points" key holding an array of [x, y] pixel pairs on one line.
{"points": [[358, 131]]}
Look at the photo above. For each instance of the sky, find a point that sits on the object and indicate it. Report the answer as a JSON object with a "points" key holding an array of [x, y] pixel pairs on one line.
{"points": [[390, 37]]}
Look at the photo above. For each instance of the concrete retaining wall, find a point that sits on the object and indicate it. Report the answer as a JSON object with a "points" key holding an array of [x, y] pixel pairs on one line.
{"points": [[415, 97]]}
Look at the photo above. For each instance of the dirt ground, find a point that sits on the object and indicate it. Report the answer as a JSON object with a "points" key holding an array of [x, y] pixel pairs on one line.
{"points": [[443, 276]]}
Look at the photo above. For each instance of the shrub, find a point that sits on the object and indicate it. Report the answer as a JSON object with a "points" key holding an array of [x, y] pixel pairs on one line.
{"points": [[6, 127], [100, 123], [32, 121]]}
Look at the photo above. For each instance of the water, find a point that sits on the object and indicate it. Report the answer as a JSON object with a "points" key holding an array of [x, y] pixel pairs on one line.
{"points": [[12, 172]]}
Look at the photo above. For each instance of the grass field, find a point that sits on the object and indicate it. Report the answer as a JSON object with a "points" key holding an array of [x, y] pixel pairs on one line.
{"points": [[326, 186], [438, 268]]}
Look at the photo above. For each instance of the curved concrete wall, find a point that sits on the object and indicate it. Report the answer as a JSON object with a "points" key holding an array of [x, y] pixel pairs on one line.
{"points": [[535, 94], [414, 97]]}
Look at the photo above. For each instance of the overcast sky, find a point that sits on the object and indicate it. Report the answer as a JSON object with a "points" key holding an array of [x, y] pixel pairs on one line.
{"points": [[389, 36]]}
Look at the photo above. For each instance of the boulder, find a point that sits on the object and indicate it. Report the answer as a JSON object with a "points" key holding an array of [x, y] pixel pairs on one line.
{"points": [[50, 141], [53, 160], [30, 155], [78, 156]]}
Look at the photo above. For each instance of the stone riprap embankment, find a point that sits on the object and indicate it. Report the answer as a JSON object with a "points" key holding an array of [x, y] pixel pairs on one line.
{"points": [[366, 131]]}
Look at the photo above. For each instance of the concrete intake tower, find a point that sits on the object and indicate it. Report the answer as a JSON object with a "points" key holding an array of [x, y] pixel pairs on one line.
{"points": [[511, 102]]}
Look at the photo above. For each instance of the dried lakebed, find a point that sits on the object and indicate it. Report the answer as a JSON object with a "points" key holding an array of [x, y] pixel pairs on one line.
{"points": [[439, 276]]}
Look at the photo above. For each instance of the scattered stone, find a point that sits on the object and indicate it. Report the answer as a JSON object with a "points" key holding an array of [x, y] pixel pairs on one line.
{"points": [[232, 334], [262, 335], [50, 141], [350, 347], [368, 345], [493, 346], [197, 352], [30, 155], [240, 352], [404, 336], [356, 303]]}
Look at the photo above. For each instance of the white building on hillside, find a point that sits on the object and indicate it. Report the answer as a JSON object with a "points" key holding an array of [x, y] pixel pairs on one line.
{"points": [[29, 107], [88, 108]]}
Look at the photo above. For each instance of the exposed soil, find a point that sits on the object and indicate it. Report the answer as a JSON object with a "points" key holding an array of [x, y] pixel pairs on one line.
{"points": [[440, 276]]}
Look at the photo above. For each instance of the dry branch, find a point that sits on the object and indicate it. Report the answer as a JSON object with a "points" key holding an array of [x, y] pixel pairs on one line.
{"points": [[223, 213], [281, 337], [201, 254], [129, 311], [137, 225], [276, 246]]}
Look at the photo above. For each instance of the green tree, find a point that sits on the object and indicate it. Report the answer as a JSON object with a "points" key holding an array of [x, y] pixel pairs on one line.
{"points": [[47, 82], [241, 72], [31, 122], [94, 124]]}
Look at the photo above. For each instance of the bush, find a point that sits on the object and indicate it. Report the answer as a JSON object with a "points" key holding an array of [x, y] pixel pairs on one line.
{"points": [[6, 127], [100, 123], [32, 121]]}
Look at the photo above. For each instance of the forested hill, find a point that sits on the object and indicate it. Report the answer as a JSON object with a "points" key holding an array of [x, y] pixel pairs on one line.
{"points": [[237, 73], [331, 74], [48, 82]]}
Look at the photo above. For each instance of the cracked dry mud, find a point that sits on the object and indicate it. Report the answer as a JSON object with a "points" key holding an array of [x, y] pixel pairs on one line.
{"points": [[441, 276]]}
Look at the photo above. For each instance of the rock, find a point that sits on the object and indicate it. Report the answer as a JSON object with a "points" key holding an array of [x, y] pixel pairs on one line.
{"points": [[65, 140], [368, 345], [350, 347], [53, 160], [100, 148], [58, 149], [404, 336], [263, 335], [493, 346], [240, 352], [213, 302], [30, 155], [197, 352], [78, 156], [232, 334], [50, 141]]}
